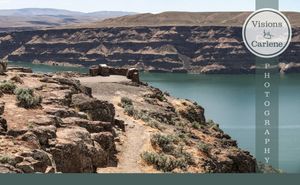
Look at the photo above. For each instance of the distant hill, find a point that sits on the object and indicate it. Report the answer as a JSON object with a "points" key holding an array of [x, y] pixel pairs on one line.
{"points": [[37, 11], [184, 19], [45, 17], [34, 18]]}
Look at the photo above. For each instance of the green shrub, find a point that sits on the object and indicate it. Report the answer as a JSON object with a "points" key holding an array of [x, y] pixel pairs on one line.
{"points": [[156, 95], [26, 98], [129, 110], [5, 159], [166, 143], [203, 147], [183, 137], [126, 102], [163, 162], [188, 157], [7, 87], [180, 153], [143, 115], [154, 124], [196, 125]]}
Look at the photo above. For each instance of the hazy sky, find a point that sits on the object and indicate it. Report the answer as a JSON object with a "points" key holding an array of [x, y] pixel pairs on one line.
{"points": [[142, 6]]}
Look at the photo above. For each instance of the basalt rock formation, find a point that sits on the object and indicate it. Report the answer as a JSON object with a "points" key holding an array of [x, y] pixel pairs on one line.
{"points": [[69, 132], [197, 49], [86, 125]]}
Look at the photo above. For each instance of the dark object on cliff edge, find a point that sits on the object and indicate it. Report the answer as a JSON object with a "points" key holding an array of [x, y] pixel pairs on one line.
{"points": [[3, 67], [104, 70]]}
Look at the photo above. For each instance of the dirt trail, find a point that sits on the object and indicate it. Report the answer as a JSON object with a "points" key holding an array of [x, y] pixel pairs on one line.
{"points": [[133, 141]]}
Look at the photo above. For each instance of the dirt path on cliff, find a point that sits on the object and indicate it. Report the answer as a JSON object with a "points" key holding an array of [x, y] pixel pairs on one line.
{"points": [[133, 144], [135, 139]]}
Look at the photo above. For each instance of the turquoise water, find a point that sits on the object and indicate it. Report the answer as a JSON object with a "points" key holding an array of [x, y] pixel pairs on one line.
{"points": [[48, 69], [230, 101]]}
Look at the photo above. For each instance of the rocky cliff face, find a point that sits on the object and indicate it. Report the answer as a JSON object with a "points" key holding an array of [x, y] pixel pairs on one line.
{"points": [[123, 127], [208, 49], [70, 131]]}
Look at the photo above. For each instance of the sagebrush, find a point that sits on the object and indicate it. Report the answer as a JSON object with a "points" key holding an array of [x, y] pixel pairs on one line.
{"points": [[26, 98]]}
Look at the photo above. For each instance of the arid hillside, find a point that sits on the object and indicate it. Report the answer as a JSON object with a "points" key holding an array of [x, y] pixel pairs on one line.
{"points": [[38, 18], [184, 19]]}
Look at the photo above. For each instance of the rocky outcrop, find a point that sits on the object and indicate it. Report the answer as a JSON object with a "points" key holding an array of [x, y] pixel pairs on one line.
{"points": [[71, 132], [95, 109], [77, 151], [104, 70], [3, 67], [195, 49], [74, 132]]}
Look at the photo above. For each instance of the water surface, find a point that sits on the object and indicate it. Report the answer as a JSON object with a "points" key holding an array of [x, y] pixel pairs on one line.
{"points": [[230, 101]]}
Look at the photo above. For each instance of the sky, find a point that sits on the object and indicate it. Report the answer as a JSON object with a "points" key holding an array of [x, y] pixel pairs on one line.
{"points": [[145, 6]]}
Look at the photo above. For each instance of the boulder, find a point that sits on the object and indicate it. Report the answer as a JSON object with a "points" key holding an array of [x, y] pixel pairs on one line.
{"points": [[3, 126], [44, 134], [63, 113], [29, 160], [76, 152], [43, 161], [103, 70], [120, 124], [106, 140], [26, 167], [17, 79], [5, 168], [3, 67], [133, 74], [31, 138], [91, 126], [118, 71], [2, 106], [96, 110], [94, 70], [15, 132], [46, 120]]}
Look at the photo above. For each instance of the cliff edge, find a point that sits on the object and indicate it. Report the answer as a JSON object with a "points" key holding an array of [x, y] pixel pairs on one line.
{"points": [[68, 122]]}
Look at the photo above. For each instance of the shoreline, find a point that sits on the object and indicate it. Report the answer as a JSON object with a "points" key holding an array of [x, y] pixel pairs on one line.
{"points": [[84, 68]]}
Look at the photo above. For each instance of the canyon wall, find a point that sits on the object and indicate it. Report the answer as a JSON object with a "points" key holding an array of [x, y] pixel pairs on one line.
{"points": [[196, 49]]}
